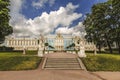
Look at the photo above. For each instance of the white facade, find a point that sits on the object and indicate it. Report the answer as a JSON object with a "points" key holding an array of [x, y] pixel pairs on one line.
{"points": [[59, 43], [20, 43], [55, 43]]}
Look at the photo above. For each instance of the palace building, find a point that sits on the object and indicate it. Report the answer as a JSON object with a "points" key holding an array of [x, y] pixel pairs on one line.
{"points": [[50, 43]]}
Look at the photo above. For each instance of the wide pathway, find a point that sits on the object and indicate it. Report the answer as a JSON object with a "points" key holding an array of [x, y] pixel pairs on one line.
{"points": [[108, 75], [47, 75]]}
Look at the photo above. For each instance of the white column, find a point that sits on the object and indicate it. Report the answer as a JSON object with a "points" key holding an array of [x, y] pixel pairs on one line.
{"points": [[34, 42], [25, 42], [14, 42], [30, 42], [17, 42], [7, 42], [11, 42], [22, 42]]}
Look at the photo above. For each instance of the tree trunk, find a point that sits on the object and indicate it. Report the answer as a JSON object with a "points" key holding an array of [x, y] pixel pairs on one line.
{"points": [[110, 49], [108, 43], [117, 40], [95, 51], [99, 47], [119, 47]]}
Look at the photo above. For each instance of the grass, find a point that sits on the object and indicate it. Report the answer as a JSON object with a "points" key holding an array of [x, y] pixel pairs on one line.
{"points": [[28, 52], [10, 54], [16, 61], [102, 62]]}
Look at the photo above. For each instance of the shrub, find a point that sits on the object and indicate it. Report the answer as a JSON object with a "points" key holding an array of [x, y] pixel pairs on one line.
{"points": [[4, 48]]}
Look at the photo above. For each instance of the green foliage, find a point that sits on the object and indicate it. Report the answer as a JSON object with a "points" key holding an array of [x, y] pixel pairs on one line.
{"points": [[15, 61], [5, 28], [103, 24], [4, 48], [115, 16], [46, 44], [71, 45], [102, 62], [51, 46]]}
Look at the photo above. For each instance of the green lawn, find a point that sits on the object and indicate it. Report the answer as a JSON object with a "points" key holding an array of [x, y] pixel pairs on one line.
{"points": [[102, 62], [28, 52], [17, 61]]}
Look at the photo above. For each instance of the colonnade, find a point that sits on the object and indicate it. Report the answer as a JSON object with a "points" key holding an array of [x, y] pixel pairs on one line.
{"points": [[21, 42]]}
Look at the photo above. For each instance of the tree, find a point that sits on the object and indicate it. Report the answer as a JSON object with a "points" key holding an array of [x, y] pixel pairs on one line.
{"points": [[71, 45], [115, 17], [97, 25], [5, 28], [46, 44], [103, 24]]}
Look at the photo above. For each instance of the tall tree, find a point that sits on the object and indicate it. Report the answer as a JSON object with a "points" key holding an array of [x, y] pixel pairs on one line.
{"points": [[115, 17], [103, 24], [97, 25], [5, 28]]}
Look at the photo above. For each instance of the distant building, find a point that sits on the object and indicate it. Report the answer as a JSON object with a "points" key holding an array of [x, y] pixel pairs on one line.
{"points": [[55, 43]]}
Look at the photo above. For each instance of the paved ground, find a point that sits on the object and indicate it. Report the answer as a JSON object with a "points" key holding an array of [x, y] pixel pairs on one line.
{"points": [[108, 75], [58, 75], [47, 75], [40, 74]]}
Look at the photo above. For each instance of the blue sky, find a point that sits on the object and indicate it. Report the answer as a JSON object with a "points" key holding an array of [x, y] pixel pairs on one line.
{"points": [[35, 17], [84, 7]]}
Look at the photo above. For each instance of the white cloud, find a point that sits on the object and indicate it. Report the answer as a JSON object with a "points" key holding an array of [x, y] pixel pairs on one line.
{"points": [[64, 30], [41, 3], [15, 8], [17, 20], [44, 24], [77, 30]]}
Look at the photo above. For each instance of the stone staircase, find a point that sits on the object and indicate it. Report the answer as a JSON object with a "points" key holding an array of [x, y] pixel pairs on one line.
{"points": [[62, 63]]}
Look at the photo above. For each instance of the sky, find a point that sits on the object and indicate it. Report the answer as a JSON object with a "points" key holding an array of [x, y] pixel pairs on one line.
{"points": [[35, 17]]}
